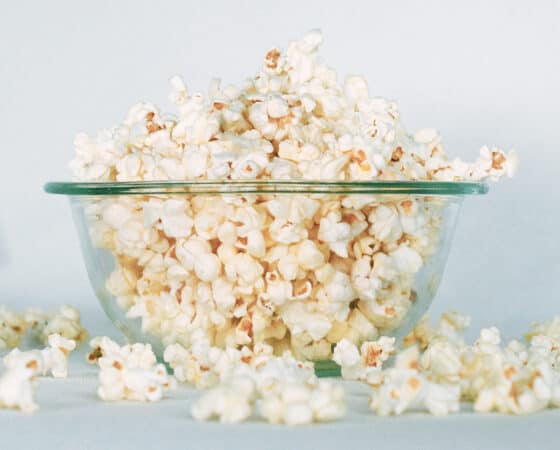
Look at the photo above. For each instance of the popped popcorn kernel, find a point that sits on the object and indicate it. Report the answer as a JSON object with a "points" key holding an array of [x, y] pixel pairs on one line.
{"points": [[12, 327], [366, 363], [129, 372], [53, 358], [17, 389], [299, 404], [231, 402]]}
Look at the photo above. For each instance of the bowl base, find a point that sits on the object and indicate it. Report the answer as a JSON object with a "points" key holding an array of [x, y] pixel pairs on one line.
{"points": [[326, 368]]}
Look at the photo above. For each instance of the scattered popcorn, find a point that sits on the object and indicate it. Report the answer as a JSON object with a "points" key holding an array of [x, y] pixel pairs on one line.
{"points": [[550, 329], [293, 403], [64, 322], [129, 372], [53, 358], [510, 379]]}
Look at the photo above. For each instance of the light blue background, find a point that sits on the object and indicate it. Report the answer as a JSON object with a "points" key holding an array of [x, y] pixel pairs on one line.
{"points": [[481, 72]]}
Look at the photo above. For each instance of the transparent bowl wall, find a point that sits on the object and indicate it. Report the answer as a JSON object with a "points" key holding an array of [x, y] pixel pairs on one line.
{"points": [[439, 204]]}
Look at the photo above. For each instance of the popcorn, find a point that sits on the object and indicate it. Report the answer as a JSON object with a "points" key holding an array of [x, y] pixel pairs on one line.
{"points": [[450, 325], [516, 379], [64, 322], [366, 364], [406, 389], [237, 379], [230, 402], [129, 372], [335, 233], [308, 255], [443, 360], [298, 271], [300, 317], [287, 389], [53, 358], [175, 222], [12, 326], [550, 329], [195, 366], [16, 389]]}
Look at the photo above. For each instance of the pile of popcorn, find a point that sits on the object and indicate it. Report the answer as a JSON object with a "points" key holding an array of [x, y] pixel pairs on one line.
{"points": [[287, 390], [129, 372], [299, 272]]}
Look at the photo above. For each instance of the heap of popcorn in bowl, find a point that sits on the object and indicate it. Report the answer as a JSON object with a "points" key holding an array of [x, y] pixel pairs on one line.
{"points": [[243, 291], [300, 271]]}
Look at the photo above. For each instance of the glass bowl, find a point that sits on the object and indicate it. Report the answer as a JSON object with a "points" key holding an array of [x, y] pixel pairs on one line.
{"points": [[298, 265]]}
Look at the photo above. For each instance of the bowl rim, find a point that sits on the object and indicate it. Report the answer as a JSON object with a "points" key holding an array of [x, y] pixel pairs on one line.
{"points": [[443, 188]]}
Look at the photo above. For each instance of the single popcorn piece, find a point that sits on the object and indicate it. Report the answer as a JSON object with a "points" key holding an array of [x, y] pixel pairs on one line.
{"points": [[17, 388], [365, 364], [102, 345], [129, 372], [230, 402], [53, 358], [443, 361], [12, 327], [56, 355], [293, 403]]}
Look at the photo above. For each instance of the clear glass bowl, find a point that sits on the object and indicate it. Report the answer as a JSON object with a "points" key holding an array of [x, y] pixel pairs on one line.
{"points": [[298, 265]]}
